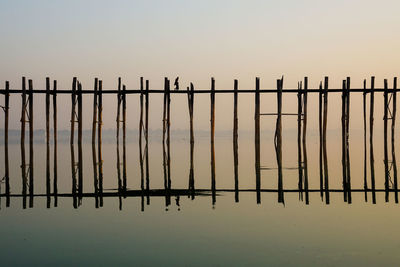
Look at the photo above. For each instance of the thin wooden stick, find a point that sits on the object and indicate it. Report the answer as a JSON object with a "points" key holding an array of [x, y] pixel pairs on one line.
{"points": [[394, 106], [385, 133], [55, 189], [371, 139], [235, 140], [365, 139], [94, 119], [48, 141], [6, 160], [257, 139], [99, 139], [305, 164], [73, 99], [212, 120], [31, 167], [325, 153]]}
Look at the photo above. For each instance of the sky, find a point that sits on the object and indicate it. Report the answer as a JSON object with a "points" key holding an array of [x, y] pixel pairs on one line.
{"points": [[195, 40]]}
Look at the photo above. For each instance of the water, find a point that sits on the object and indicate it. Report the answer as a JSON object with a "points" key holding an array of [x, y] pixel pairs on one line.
{"points": [[156, 227]]}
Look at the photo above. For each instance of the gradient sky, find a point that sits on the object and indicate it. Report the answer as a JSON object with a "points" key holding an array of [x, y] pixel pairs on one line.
{"points": [[196, 40]]}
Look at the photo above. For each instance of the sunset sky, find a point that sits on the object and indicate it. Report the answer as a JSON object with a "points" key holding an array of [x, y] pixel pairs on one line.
{"points": [[196, 40]]}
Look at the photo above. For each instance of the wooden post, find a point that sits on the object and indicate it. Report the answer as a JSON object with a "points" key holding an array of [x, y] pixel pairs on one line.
{"points": [[147, 141], [305, 164], [325, 153], [191, 111], [140, 136], [212, 120], [80, 153], [257, 139], [371, 138], [278, 140], [348, 177], [321, 166], [394, 106], [118, 108], [385, 145], [48, 141], [94, 120], [343, 120], [6, 163], [55, 189], [235, 140], [23, 162], [365, 139], [31, 167], [73, 99], [99, 139], [299, 151], [124, 138]]}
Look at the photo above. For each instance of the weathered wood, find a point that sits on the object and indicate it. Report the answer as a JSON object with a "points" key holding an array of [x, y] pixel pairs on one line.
{"points": [[278, 140], [80, 153], [23, 161], [343, 121], [141, 157], [235, 140], [371, 138], [147, 140], [257, 139], [321, 166], [124, 174], [348, 177]]}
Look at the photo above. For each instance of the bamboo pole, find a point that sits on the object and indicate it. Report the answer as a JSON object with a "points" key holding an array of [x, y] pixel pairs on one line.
{"points": [[257, 139], [235, 140], [212, 139], [371, 139]]}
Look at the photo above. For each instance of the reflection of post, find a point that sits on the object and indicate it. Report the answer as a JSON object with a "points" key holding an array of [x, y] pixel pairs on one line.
{"points": [[30, 143], [23, 162], [212, 119], [48, 141], [305, 166], [365, 139], [190, 96], [394, 105], [385, 145], [55, 141], [235, 140], [6, 163], [257, 139], [325, 154], [278, 140], [99, 137], [371, 139], [73, 173]]}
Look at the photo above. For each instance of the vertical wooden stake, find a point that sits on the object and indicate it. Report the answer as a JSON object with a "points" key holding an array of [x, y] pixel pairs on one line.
{"points": [[348, 177], [278, 140], [73, 99], [257, 139], [394, 106], [385, 133], [325, 153], [23, 162], [31, 167], [305, 164], [55, 142], [124, 138], [94, 120], [99, 139], [212, 120], [48, 141], [6, 163], [321, 166], [235, 140], [365, 139], [146, 138], [371, 138], [299, 151]]}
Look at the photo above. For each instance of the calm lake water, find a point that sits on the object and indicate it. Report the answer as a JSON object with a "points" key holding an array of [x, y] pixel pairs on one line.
{"points": [[145, 231]]}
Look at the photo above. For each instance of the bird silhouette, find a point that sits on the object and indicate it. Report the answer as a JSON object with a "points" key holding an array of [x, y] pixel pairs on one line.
{"points": [[176, 83]]}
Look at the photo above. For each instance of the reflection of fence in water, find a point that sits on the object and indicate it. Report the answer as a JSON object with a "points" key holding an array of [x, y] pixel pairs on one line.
{"points": [[302, 91]]}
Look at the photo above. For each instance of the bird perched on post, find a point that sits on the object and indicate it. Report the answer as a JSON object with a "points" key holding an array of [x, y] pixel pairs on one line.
{"points": [[176, 83]]}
